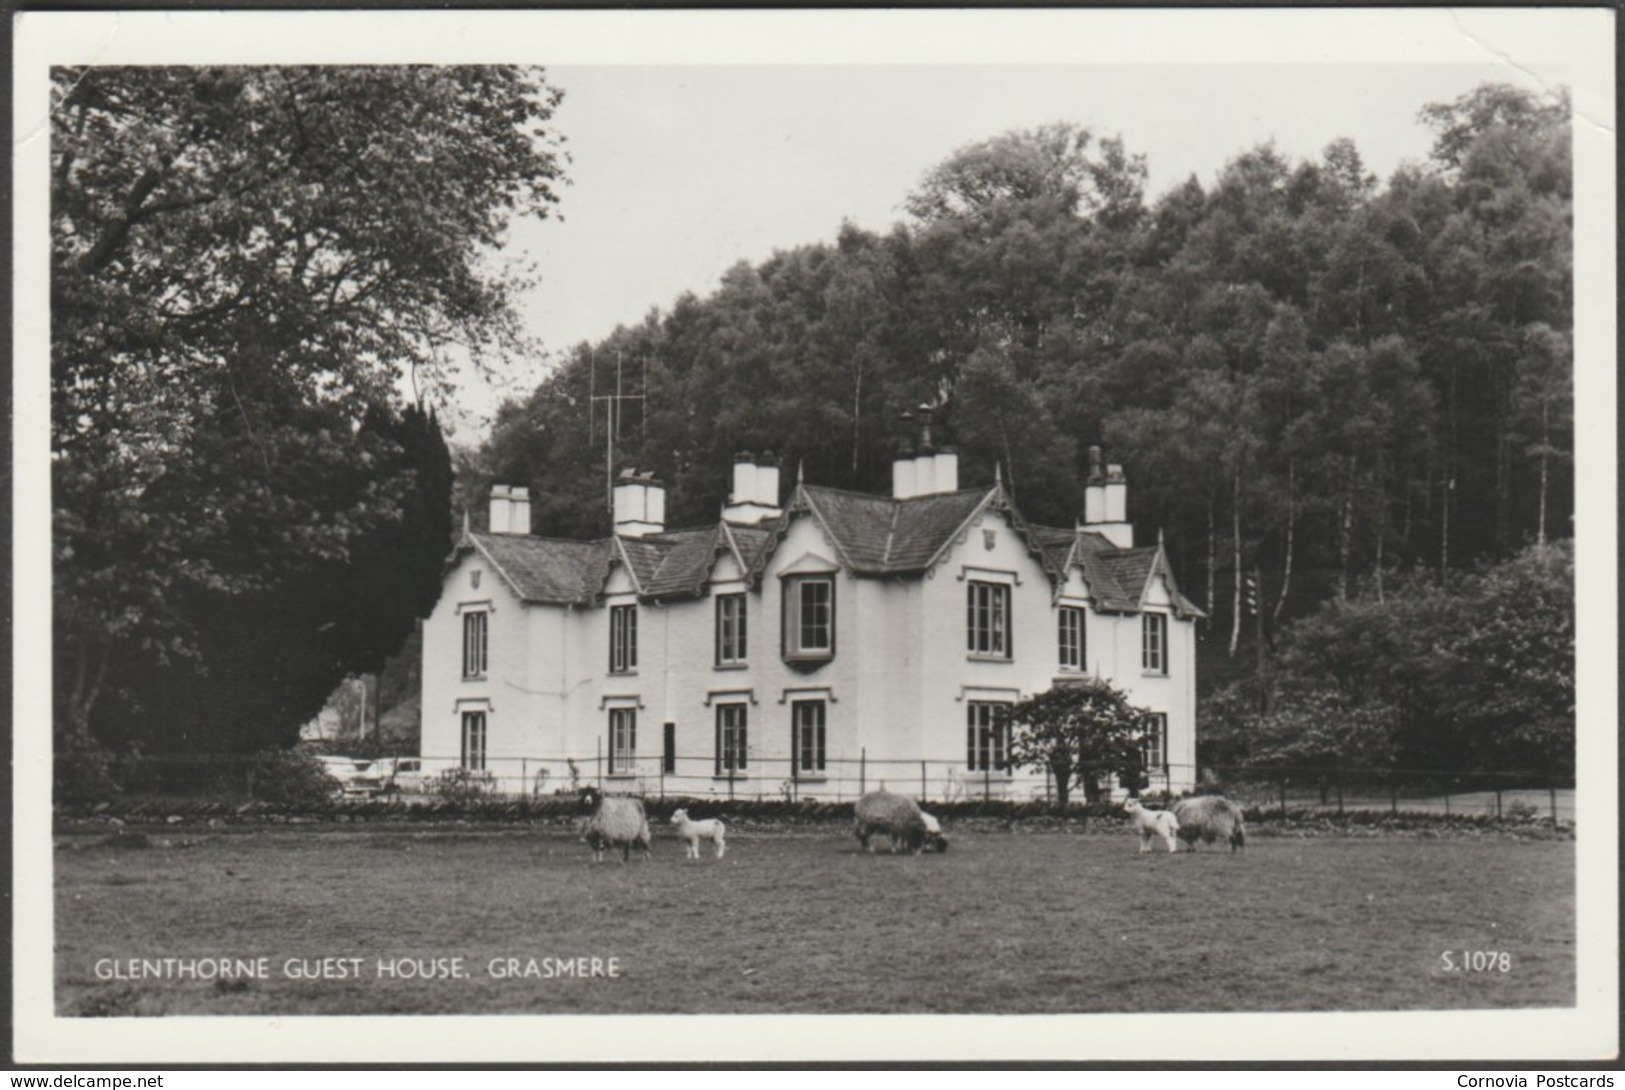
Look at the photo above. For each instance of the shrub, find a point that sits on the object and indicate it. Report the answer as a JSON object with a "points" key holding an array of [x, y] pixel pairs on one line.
{"points": [[289, 777]]}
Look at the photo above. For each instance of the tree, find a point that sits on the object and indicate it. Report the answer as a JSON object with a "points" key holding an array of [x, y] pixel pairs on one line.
{"points": [[1080, 733], [246, 265]]}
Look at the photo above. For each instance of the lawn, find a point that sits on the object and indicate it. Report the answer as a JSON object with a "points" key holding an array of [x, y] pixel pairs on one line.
{"points": [[1005, 922]]}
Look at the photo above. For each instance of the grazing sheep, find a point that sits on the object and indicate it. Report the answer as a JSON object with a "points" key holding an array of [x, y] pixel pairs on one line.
{"points": [[895, 815], [1152, 824], [935, 841], [1210, 818], [614, 822], [695, 831]]}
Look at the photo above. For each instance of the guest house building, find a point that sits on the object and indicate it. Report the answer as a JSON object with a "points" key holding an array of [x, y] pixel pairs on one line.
{"points": [[808, 645]]}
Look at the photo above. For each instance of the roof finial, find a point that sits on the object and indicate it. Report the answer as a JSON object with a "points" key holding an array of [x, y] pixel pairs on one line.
{"points": [[465, 524], [801, 465], [998, 473]]}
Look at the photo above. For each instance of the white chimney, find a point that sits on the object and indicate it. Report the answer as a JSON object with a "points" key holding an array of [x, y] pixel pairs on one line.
{"points": [[755, 496], [640, 504], [501, 506], [1105, 502], [925, 474], [903, 481], [946, 464]]}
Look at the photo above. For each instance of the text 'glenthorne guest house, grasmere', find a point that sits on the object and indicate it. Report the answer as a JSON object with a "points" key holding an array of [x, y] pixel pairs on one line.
{"points": [[801, 641]]}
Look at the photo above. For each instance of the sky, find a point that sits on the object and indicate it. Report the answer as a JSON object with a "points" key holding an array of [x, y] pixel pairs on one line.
{"points": [[679, 172]]}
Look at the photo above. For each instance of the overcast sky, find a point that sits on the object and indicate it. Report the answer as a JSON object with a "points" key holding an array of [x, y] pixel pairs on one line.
{"points": [[680, 172]]}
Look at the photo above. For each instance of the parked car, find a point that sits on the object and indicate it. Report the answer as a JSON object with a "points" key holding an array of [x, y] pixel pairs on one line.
{"points": [[402, 776], [354, 778]]}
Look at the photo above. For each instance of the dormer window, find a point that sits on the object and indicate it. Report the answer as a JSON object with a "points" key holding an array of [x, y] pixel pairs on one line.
{"points": [[809, 618]]}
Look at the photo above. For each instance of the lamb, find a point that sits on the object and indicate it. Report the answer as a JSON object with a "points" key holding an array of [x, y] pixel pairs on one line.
{"points": [[614, 822], [935, 841], [1210, 818], [895, 815], [1152, 824], [695, 831]]}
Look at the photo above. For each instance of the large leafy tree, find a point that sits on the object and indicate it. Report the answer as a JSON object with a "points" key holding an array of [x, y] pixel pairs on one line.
{"points": [[1080, 733], [247, 266]]}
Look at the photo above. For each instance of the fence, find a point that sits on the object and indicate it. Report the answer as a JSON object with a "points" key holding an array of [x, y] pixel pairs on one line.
{"points": [[1325, 790]]}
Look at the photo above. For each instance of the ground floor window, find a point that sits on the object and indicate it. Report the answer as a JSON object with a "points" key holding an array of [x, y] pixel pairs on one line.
{"points": [[987, 740], [623, 740], [474, 741], [1154, 749], [807, 718], [731, 749]]}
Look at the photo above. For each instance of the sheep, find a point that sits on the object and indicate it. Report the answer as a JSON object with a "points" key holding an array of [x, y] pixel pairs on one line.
{"points": [[895, 815], [1152, 824], [935, 841], [1210, 818], [614, 822], [695, 831]]}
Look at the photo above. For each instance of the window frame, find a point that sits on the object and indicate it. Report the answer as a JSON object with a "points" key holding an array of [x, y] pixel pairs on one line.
{"points": [[623, 639], [732, 636], [1154, 643], [989, 633], [732, 739], [476, 644], [794, 626], [800, 747], [1155, 743], [623, 752], [1077, 640], [474, 743], [987, 739]]}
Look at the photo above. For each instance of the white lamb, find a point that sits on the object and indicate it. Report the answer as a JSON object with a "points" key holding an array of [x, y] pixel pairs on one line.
{"points": [[695, 831], [1151, 824]]}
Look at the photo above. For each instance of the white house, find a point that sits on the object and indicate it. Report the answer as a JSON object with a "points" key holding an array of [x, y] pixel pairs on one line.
{"points": [[810, 648]]}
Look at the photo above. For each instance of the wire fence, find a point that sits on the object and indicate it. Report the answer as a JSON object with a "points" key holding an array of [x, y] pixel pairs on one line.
{"points": [[1296, 790]]}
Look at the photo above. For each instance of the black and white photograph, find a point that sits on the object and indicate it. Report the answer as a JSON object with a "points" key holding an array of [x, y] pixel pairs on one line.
{"points": [[841, 535]]}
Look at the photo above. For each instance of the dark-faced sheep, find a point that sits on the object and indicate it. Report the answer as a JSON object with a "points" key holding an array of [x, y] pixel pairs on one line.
{"points": [[1211, 819], [614, 821], [935, 839], [895, 815], [1151, 824]]}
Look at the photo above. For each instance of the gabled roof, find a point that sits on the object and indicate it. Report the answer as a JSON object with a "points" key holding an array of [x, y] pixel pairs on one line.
{"points": [[1117, 577], [877, 535], [544, 569]]}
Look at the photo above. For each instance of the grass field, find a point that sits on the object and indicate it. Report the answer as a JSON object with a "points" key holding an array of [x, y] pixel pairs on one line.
{"points": [[801, 922]]}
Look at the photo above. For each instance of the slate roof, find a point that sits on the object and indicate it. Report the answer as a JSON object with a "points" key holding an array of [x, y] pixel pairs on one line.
{"points": [[874, 535], [877, 535], [545, 569]]}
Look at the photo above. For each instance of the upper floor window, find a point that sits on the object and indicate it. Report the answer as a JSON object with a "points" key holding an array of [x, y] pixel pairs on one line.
{"points": [[1069, 621], [1154, 748], [809, 617], [987, 739], [474, 644], [987, 619], [730, 629], [1154, 643], [623, 639], [623, 740]]}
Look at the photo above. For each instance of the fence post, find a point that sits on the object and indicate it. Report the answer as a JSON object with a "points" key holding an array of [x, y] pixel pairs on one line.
{"points": [[1393, 786], [1498, 802], [987, 781], [1447, 798], [1553, 793], [863, 771], [922, 781], [1340, 796], [598, 762]]}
